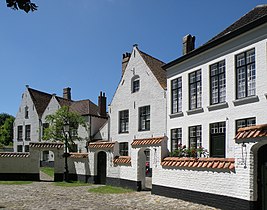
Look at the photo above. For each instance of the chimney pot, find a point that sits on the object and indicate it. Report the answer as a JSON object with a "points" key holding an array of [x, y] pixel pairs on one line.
{"points": [[125, 59], [188, 43], [67, 93], [102, 104]]}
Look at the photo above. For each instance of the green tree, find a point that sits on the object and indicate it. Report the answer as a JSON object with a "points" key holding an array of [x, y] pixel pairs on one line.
{"points": [[6, 129], [61, 117], [25, 5]]}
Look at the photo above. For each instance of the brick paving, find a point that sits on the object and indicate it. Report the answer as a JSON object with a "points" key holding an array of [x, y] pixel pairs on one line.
{"points": [[45, 195]]}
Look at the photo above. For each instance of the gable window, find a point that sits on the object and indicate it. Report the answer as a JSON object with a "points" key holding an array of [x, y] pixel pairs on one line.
{"points": [[195, 140], [176, 138], [26, 112], [124, 121], [217, 83], [176, 95], [144, 118], [245, 74], [28, 132], [20, 133], [217, 139], [245, 123], [135, 84], [195, 90], [123, 149]]}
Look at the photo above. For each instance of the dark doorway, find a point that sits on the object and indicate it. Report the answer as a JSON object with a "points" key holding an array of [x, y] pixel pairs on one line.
{"points": [[262, 177], [101, 168], [217, 140]]}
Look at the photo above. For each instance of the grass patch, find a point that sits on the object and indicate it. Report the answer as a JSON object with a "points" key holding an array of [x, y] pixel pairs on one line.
{"points": [[71, 184], [110, 190], [48, 170], [15, 182]]}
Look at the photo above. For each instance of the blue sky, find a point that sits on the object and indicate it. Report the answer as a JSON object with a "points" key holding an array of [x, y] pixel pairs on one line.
{"points": [[79, 44]]}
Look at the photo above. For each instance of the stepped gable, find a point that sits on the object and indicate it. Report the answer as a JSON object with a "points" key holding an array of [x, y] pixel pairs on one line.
{"points": [[155, 66], [40, 100]]}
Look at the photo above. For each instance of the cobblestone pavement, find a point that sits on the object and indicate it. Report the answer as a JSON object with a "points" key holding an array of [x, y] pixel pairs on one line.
{"points": [[45, 195]]}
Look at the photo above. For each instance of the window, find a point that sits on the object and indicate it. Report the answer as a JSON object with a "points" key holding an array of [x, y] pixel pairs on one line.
{"points": [[26, 112], [217, 139], [246, 74], [144, 118], [245, 123], [176, 138], [28, 132], [124, 121], [19, 148], [135, 84], [195, 92], [217, 83], [195, 136], [20, 132], [176, 95], [45, 126], [123, 149], [26, 148]]}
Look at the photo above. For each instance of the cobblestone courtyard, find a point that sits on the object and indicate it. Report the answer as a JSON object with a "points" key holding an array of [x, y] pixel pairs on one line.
{"points": [[45, 195]]}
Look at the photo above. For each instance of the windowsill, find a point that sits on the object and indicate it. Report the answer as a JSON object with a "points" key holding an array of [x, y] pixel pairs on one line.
{"points": [[143, 130], [178, 114], [218, 106], [123, 132], [195, 111], [246, 100], [27, 139]]}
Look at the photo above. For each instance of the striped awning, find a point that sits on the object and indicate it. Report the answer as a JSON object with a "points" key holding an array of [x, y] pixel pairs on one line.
{"points": [[46, 145], [122, 160], [251, 132], [101, 145], [147, 141], [15, 154]]}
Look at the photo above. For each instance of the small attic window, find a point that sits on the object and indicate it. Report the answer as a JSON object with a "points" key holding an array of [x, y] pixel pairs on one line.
{"points": [[26, 112], [135, 84]]}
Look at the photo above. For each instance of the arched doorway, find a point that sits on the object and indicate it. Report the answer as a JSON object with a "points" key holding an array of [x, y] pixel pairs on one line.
{"points": [[46, 165], [101, 168], [262, 177], [144, 169]]}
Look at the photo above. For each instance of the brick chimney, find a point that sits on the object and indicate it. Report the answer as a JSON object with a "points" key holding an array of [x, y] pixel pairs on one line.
{"points": [[188, 43], [67, 93], [102, 104], [125, 60]]}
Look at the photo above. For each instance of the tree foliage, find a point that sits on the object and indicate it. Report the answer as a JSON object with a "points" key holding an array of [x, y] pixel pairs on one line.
{"points": [[25, 5], [61, 117], [6, 129]]}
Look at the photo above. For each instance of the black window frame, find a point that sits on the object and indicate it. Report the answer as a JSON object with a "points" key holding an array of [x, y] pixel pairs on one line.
{"points": [[136, 85], [26, 148], [27, 132], [176, 138], [176, 91], [245, 66], [217, 76], [246, 124], [196, 137], [194, 81], [19, 148], [217, 129], [124, 148], [144, 115], [20, 133], [124, 121], [26, 112]]}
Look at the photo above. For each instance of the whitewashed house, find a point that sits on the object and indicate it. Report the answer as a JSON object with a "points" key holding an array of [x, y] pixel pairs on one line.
{"points": [[36, 105], [212, 91], [137, 113]]}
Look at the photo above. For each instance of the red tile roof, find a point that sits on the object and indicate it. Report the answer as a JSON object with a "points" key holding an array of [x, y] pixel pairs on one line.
{"points": [[101, 145], [251, 132], [218, 163], [14, 154], [124, 160], [46, 145], [78, 155], [147, 141]]}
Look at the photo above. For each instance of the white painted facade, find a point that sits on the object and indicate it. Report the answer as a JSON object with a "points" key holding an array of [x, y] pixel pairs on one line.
{"points": [[233, 109]]}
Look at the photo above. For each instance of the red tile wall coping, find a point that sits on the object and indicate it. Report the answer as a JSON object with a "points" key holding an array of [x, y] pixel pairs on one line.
{"points": [[46, 145], [78, 155], [147, 141], [101, 145], [122, 160], [219, 163], [251, 132], [15, 154]]}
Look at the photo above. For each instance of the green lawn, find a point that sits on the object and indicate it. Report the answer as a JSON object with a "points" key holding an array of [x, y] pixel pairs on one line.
{"points": [[71, 184], [48, 170], [15, 182], [110, 190]]}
